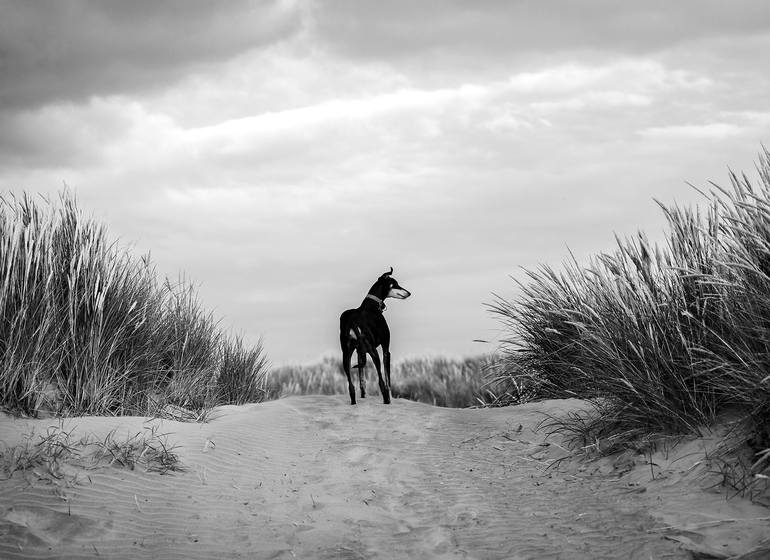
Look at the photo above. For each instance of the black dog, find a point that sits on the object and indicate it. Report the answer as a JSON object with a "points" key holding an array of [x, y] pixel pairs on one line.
{"points": [[364, 329]]}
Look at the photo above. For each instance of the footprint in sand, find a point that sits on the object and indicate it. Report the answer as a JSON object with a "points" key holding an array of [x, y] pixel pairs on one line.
{"points": [[38, 526], [430, 541]]}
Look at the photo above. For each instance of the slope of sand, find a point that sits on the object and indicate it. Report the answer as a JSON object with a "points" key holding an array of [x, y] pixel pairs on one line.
{"points": [[313, 477]]}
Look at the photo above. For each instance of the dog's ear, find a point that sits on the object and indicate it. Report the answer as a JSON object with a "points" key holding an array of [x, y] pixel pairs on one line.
{"points": [[387, 273]]}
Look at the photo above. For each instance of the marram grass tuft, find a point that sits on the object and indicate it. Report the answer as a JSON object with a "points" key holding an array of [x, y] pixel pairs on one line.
{"points": [[661, 338], [87, 329]]}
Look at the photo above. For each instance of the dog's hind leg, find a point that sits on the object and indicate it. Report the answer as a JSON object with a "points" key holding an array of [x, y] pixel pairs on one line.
{"points": [[386, 363], [361, 369], [384, 388], [386, 355], [347, 353]]}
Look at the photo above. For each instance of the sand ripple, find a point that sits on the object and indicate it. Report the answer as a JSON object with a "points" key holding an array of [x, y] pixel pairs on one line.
{"points": [[312, 477]]}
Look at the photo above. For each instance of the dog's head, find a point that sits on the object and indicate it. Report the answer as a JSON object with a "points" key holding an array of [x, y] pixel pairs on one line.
{"points": [[389, 287]]}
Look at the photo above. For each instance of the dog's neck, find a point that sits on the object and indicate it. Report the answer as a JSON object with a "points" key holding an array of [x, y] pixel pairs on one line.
{"points": [[378, 301]]}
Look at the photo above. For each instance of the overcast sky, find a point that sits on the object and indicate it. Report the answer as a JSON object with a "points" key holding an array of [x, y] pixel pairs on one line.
{"points": [[284, 154]]}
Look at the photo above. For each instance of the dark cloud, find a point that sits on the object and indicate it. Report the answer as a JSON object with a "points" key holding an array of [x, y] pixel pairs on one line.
{"points": [[66, 51], [376, 29]]}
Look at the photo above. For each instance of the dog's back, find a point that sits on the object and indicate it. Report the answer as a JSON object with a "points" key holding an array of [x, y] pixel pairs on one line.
{"points": [[358, 327]]}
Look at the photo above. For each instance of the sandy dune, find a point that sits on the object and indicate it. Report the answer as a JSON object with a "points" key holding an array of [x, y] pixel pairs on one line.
{"points": [[313, 477]]}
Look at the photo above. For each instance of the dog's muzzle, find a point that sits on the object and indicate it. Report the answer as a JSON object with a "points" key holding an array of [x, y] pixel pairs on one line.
{"points": [[399, 293]]}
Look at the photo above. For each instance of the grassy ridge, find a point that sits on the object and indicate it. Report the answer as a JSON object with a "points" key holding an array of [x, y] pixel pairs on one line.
{"points": [[438, 381], [661, 338], [87, 329]]}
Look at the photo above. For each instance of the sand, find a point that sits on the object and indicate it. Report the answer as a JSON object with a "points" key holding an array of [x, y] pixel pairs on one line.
{"points": [[313, 477]]}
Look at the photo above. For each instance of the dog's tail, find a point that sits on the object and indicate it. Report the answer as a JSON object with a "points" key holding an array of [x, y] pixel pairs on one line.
{"points": [[363, 345], [361, 350]]}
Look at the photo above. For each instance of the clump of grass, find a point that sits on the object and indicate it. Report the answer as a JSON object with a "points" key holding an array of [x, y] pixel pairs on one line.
{"points": [[44, 458], [87, 329], [740, 470], [147, 449], [241, 373], [51, 456], [506, 387], [438, 381], [660, 339], [600, 432], [322, 378], [453, 383]]}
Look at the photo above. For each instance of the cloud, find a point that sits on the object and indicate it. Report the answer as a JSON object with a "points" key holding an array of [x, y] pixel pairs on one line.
{"points": [[67, 135], [281, 163], [53, 51], [380, 136], [432, 28], [692, 132]]}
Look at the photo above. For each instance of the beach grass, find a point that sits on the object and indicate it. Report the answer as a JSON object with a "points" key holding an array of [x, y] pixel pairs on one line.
{"points": [[51, 456], [438, 381], [661, 338], [85, 328]]}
